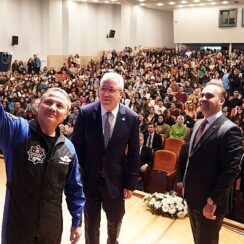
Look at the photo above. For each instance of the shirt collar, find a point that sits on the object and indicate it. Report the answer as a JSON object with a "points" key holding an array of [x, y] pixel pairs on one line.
{"points": [[212, 118], [114, 111]]}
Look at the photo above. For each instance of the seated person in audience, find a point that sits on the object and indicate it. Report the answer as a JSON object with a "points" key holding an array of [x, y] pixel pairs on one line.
{"points": [[189, 121], [17, 110], [74, 114], [143, 123], [130, 91], [181, 95], [174, 111], [159, 108], [167, 102], [5, 106], [162, 128], [175, 88], [146, 158], [179, 129], [190, 110], [238, 115], [226, 111], [187, 88], [152, 116], [134, 103], [234, 100], [179, 105], [195, 102], [195, 94], [168, 118], [144, 106], [125, 99], [31, 109], [152, 138]]}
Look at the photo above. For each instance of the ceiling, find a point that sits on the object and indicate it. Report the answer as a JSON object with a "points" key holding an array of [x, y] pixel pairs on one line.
{"points": [[168, 4]]}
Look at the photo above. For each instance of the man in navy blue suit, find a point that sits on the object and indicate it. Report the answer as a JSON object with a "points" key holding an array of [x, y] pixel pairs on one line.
{"points": [[106, 138]]}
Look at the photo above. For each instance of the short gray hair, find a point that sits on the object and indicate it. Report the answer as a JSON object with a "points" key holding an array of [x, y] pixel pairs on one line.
{"points": [[114, 77], [57, 89]]}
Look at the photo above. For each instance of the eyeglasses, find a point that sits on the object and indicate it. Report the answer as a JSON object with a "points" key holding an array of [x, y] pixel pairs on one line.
{"points": [[109, 90]]}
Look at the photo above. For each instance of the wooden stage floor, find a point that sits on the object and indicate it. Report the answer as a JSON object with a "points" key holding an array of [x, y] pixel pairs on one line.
{"points": [[139, 225]]}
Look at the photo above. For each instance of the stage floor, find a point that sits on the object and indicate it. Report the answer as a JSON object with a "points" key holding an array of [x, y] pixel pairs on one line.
{"points": [[139, 225]]}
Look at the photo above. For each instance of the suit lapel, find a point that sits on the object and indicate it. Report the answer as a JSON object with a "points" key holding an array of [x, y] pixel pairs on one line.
{"points": [[195, 129], [97, 118], [211, 129]]}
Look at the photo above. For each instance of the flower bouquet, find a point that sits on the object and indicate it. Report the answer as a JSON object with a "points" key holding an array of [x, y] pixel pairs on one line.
{"points": [[166, 204]]}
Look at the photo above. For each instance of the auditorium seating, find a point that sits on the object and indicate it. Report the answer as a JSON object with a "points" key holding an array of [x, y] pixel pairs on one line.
{"points": [[173, 145], [163, 173]]}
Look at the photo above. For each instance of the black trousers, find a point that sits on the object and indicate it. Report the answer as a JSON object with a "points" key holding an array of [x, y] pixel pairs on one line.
{"points": [[205, 231], [96, 199]]}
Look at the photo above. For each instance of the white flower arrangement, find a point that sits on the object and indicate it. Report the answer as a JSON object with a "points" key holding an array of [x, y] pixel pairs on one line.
{"points": [[166, 204]]}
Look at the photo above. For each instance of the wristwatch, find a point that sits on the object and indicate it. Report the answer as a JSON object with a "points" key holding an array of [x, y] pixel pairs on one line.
{"points": [[210, 201]]}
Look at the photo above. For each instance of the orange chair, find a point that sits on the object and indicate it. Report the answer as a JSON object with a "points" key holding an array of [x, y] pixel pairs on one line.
{"points": [[174, 145], [165, 160], [164, 168]]}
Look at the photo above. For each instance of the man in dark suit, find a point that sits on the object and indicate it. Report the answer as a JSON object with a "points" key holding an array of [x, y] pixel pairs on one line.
{"points": [[181, 166], [146, 158], [152, 138], [212, 165], [106, 138]]}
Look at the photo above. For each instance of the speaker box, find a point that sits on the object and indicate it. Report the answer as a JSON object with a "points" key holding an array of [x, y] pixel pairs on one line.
{"points": [[5, 61], [111, 34], [15, 40]]}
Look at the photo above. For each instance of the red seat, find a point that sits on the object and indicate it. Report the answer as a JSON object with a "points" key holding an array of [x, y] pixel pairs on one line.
{"points": [[163, 173], [174, 145]]}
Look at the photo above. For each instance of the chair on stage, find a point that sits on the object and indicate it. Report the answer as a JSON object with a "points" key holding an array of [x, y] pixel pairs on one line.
{"points": [[163, 173], [174, 145]]}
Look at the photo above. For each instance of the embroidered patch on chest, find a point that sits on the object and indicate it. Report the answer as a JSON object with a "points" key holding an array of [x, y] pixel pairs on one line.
{"points": [[64, 160], [36, 154]]}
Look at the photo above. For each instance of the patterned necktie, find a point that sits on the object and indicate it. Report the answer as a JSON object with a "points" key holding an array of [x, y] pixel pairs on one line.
{"points": [[107, 129], [200, 131]]}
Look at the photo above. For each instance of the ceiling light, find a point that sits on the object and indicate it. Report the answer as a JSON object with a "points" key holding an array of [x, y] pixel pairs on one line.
{"points": [[184, 1], [191, 5], [106, 1], [201, 4], [113, 0], [159, 4], [171, 3], [180, 6], [196, 1], [225, 2], [142, 4], [213, 3], [141, 1]]}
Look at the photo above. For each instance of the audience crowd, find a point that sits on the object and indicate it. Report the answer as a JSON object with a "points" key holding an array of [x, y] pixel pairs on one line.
{"points": [[162, 85]]}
